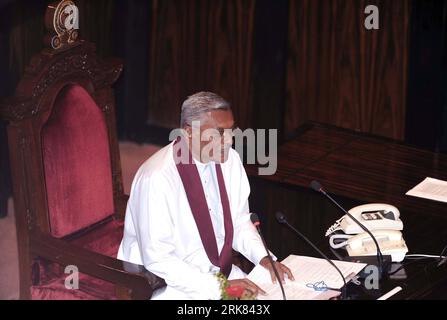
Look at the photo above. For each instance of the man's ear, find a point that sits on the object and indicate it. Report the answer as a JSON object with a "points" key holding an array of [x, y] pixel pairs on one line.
{"points": [[188, 130]]}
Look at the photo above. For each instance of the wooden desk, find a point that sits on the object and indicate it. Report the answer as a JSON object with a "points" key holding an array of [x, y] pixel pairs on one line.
{"points": [[356, 169]]}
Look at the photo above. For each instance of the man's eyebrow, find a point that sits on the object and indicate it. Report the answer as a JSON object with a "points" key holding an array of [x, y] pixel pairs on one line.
{"points": [[234, 126]]}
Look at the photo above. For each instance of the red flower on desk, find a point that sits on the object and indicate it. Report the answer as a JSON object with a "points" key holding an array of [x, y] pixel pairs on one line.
{"points": [[235, 291]]}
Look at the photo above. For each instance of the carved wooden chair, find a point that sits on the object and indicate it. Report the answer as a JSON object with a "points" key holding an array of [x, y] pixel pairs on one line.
{"points": [[65, 164]]}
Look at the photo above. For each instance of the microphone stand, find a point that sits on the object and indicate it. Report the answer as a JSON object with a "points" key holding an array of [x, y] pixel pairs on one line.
{"points": [[282, 220], [315, 185], [255, 220]]}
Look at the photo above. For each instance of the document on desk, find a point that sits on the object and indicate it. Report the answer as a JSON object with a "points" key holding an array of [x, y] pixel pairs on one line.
{"points": [[430, 188], [307, 271]]}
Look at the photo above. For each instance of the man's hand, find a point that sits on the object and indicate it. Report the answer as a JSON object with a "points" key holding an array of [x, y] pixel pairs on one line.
{"points": [[282, 269], [248, 285]]}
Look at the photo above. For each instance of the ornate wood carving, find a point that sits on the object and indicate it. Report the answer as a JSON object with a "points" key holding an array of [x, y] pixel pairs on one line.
{"points": [[24, 146], [62, 21], [49, 68]]}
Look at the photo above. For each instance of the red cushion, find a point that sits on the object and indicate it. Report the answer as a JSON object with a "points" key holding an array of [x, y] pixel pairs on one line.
{"points": [[89, 289], [104, 239], [77, 163]]}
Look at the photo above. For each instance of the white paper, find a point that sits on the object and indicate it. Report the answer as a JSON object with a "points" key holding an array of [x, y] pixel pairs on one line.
{"points": [[390, 293], [295, 292], [430, 188], [306, 270]]}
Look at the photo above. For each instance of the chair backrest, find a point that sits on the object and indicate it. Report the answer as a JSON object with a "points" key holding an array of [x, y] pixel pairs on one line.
{"points": [[76, 158]]}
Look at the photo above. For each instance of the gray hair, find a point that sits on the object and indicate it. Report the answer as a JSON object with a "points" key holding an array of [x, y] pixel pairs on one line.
{"points": [[199, 103]]}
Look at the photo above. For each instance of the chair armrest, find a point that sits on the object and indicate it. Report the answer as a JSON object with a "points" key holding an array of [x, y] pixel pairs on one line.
{"points": [[135, 277], [121, 205]]}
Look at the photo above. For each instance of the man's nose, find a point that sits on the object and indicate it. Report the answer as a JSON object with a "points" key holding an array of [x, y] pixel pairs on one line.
{"points": [[227, 139]]}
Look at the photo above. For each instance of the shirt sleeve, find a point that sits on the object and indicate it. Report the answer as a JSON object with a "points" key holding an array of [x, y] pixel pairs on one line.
{"points": [[246, 238], [157, 239]]}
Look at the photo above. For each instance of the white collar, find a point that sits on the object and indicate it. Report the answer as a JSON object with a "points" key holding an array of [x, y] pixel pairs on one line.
{"points": [[201, 166]]}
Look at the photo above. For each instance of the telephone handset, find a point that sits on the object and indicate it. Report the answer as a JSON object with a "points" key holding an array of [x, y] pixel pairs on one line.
{"points": [[384, 223], [373, 216]]}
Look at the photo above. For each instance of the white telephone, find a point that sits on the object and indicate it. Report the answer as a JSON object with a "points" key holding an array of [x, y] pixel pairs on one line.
{"points": [[383, 222]]}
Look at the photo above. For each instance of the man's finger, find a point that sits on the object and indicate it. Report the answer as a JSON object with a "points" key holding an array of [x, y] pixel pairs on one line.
{"points": [[254, 287], [281, 272], [288, 272], [272, 274]]}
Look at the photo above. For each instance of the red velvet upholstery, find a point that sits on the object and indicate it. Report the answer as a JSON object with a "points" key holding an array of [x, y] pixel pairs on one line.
{"points": [[89, 289], [104, 239], [77, 163]]}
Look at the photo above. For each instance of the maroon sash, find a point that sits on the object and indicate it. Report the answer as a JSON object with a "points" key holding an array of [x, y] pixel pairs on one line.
{"points": [[199, 208]]}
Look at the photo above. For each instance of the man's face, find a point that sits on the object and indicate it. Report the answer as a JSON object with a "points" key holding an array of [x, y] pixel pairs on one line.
{"points": [[214, 143]]}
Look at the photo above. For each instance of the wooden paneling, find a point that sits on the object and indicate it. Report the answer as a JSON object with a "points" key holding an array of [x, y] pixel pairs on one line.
{"points": [[427, 77], [200, 45], [26, 31], [269, 63], [96, 23], [340, 73]]}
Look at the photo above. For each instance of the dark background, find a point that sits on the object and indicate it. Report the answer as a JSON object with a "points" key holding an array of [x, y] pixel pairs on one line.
{"points": [[279, 62]]}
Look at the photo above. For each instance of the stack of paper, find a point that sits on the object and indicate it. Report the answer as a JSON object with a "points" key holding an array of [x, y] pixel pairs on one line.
{"points": [[430, 188], [306, 271]]}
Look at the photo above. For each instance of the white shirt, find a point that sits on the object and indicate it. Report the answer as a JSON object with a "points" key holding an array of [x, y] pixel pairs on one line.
{"points": [[160, 231]]}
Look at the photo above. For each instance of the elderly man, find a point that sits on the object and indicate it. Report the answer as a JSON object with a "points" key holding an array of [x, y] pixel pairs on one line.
{"points": [[188, 208]]}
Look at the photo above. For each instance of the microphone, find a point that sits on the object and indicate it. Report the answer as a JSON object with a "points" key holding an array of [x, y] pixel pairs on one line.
{"points": [[316, 186], [255, 220], [283, 220]]}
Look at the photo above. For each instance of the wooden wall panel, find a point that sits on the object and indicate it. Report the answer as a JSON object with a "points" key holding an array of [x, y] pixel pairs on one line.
{"points": [[200, 45], [426, 114], [96, 24], [340, 73]]}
